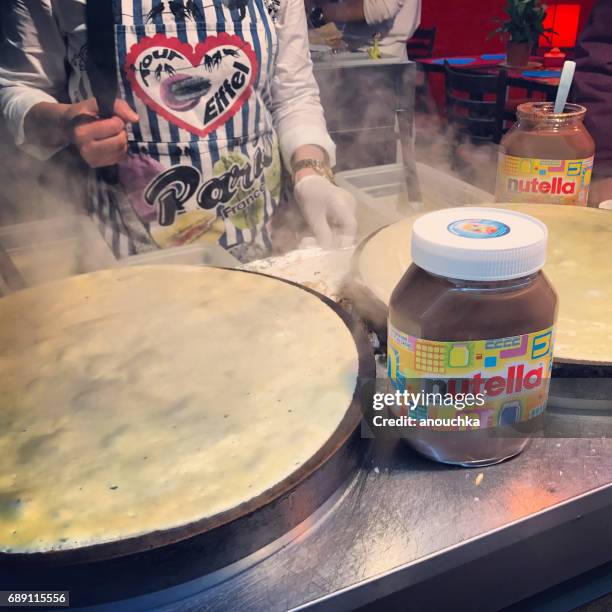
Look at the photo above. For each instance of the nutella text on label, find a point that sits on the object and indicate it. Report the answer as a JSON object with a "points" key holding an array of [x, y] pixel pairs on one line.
{"points": [[512, 373], [521, 179]]}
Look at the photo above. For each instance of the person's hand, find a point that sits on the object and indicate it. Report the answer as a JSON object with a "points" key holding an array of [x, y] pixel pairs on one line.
{"points": [[101, 142], [328, 210]]}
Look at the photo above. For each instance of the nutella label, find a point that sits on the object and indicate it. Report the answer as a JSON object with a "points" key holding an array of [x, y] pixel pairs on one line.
{"points": [[546, 181], [503, 380]]}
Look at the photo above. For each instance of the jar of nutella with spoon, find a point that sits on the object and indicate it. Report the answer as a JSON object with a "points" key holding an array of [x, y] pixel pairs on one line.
{"points": [[470, 334], [546, 157]]}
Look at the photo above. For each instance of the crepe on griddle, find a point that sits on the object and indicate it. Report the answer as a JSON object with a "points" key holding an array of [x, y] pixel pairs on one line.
{"points": [[141, 399], [579, 266]]}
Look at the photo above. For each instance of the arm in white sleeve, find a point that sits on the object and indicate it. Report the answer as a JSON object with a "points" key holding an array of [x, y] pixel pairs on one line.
{"points": [[32, 69], [296, 107], [377, 11]]}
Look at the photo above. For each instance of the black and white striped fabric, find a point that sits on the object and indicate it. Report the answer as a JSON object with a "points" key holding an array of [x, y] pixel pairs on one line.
{"points": [[203, 160]]}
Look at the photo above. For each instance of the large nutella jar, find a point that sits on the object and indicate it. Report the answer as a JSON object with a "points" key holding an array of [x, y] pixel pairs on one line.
{"points": [[473, 315], [546, 157]]}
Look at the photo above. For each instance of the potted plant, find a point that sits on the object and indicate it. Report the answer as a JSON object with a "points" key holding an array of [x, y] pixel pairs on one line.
{"points": [[522, 29]]}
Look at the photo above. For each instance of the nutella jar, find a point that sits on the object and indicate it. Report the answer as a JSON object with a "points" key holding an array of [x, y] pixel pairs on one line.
{"points": [[473, 316], [546, 157]]}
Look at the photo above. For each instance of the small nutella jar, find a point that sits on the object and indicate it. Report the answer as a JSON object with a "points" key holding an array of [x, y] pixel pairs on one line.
{"points": [[546, 157], [473, 316]]}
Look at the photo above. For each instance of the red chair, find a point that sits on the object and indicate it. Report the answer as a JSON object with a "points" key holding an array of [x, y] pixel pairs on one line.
{"points": [[476, 103], [422, 43], [418, 47]]}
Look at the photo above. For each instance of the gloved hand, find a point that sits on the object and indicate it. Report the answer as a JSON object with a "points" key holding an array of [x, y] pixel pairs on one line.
{"points": [[328, 210]]}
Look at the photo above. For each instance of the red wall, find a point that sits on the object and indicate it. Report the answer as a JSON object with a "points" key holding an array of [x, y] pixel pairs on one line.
{"points": [[463, 25]]}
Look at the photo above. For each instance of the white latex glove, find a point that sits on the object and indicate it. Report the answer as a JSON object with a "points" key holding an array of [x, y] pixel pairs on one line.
{"points": [[328, 210]]}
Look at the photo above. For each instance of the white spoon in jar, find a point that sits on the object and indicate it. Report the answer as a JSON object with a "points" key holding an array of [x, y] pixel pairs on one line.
{"points": [[565, 83]]}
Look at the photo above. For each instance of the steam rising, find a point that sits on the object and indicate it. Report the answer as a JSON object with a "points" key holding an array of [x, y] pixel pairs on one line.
{"points": [[55, 189], [38, 201], [440, 146]]}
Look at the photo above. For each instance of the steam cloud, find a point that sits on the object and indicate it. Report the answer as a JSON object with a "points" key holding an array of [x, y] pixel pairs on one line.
{"points": [[35, 190]]}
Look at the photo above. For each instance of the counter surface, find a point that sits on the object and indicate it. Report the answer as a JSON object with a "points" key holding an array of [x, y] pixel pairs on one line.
{"points": [[403, 520]]}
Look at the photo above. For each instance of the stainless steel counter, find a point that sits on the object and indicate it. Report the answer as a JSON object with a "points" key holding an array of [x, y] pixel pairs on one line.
{"points": [[430, 534]]}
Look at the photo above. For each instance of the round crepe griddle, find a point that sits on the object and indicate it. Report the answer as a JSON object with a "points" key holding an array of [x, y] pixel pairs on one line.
{"points": [[579, 267], [188, 549]]}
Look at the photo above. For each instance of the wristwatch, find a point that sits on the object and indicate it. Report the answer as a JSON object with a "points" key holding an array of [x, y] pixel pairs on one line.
{"points": [[317, 18], [317, 165]]}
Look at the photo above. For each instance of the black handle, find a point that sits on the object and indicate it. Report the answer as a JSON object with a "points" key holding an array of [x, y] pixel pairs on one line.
{"points": [[109, 174], [101, 66]]}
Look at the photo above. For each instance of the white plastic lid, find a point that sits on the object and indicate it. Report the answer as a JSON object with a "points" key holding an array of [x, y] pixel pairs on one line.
{"points": [[479, 243]]}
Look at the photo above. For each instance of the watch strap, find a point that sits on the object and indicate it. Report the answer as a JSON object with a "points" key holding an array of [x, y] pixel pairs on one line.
{"points": [[320, 167]]}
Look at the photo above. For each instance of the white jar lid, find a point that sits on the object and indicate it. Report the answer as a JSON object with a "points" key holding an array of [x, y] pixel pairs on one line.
{"points": [[479, 243]]}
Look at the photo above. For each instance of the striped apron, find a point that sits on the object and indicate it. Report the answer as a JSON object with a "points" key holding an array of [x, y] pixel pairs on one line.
{"points": [[203, 161]]}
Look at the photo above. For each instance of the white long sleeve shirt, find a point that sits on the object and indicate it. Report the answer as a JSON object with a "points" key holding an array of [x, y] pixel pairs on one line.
{"points": [[395, 20], [42, 54]]}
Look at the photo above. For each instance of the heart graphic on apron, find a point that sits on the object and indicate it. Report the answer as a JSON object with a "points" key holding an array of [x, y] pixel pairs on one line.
{"points": [[196, 88]]}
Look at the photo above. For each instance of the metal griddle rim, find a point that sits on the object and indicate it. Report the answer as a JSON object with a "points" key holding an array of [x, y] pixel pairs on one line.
{"points": [[167, 537]]}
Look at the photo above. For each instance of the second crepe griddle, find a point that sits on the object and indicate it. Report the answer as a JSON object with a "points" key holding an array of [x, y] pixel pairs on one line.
{"points": [[579, 265]]}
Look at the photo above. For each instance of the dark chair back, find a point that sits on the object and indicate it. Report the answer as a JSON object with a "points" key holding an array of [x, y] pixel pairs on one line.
{"points": [[475, 103], [422, 43]]}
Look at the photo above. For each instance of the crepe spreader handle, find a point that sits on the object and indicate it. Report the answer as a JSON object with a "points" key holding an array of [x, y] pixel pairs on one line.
{"points": [[410, 173], [102, 67], [11, 276], [109, 174]]}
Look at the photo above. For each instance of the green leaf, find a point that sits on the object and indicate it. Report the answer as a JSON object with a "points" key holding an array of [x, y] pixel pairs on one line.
{"points": [[525, 20]]}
